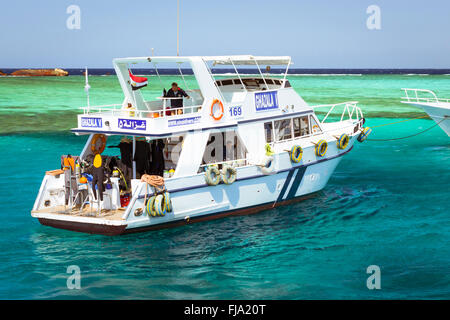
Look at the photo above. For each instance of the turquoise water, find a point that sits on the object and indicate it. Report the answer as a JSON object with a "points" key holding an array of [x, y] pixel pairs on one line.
{"points": [[386, 204]]}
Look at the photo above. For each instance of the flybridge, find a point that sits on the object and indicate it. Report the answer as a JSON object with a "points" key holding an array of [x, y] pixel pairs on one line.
{"points": [[215, 104]]}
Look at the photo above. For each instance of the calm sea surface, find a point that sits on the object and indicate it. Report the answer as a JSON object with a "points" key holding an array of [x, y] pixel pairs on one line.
{"points": [[387, 204]]}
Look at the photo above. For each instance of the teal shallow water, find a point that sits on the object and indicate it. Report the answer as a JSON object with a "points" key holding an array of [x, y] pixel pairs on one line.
{"points": [[386, 204], [51, 103]]}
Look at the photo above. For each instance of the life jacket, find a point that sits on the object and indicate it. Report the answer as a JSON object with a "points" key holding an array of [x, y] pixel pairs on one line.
{"points": [[69, 162], [97, 161]]}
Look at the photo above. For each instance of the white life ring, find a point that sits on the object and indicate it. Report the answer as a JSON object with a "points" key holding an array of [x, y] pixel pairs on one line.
{"points": [[268, 165], [212, 176], [228, 174]]}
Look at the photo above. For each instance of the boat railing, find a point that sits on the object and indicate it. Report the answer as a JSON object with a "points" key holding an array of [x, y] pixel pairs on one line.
{"points": [[413, 95], [121, 110], [235, 163], [350, 110]]}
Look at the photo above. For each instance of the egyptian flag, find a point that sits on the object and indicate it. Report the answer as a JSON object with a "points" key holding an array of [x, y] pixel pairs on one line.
{"points": [[137, 82]]}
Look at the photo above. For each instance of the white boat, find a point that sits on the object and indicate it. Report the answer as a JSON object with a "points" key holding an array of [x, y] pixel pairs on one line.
{"points": [[438, 109], [238, 145]]}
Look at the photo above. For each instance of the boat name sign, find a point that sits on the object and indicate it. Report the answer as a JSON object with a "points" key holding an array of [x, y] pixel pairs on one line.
{"points": [[132, 124], [91, 122], [266, 101]]}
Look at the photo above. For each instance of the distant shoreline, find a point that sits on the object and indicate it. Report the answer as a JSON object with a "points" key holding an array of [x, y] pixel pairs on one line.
{"points": [[276, 71]]}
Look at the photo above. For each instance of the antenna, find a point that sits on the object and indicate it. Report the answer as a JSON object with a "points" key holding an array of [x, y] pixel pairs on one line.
{"points": [[178, 27], [87, 86]]}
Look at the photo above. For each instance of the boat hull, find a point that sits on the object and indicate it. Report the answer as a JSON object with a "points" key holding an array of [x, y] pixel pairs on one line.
{"points": [[197, 203], [440, 113], [110, 230]]}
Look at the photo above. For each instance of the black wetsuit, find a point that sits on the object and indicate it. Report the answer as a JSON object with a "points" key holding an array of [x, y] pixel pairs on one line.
{"points": [[157, 164], [142, 157], [98, 176]]}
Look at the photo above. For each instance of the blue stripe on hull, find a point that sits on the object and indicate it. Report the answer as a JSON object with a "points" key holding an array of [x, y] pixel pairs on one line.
{"points": [[297, 180], [286, 184]]}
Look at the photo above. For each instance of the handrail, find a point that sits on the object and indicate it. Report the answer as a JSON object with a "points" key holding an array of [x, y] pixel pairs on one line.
{"points": [[350, 107], [158, 113], [417, 98], [236, 163]]}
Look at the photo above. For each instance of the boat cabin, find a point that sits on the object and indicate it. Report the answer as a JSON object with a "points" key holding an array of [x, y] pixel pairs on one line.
{"points": [[223, 118]]}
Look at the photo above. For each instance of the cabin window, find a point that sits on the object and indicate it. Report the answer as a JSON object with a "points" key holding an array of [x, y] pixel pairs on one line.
{"points": [[268, 129], [237, 81], [301, 126], [227, 82], [314, 125], [224, 147], [283, 129], [251, 83], [287, 84]]}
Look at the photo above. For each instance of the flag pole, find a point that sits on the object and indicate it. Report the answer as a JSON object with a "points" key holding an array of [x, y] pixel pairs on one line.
{"points": [[178, 27], [87, 87]]}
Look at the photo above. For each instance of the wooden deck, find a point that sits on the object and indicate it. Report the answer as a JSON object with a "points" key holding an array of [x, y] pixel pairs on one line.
{"points": [[86, 212]]}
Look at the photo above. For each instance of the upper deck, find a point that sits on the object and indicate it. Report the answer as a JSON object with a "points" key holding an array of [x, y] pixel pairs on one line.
{"points": [[244, 98]]}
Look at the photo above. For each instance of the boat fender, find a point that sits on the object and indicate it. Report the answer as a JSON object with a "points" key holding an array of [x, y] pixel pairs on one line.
{"points": [[95, 147], [321, 148], [296, 154], [160, 206], [364, 134], [217, 115], [168, 201], [212, 176], [343, 141], [268, 165], [228, 174], [150, 206]]}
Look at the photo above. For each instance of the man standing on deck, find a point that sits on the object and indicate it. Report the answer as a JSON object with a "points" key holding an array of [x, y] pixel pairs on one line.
{"points": [[175, 92]]}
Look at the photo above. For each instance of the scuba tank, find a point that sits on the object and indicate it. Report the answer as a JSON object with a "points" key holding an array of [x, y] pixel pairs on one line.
{"points": [[77, 171]]}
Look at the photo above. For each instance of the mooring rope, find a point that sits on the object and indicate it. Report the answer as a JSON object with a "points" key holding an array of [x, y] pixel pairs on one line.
{"points": [[412, 135], [391, 123]]}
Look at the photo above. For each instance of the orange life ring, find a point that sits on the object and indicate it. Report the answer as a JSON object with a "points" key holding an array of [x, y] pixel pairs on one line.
{"points": [[217, 101], [98, 149], [315, 128]]}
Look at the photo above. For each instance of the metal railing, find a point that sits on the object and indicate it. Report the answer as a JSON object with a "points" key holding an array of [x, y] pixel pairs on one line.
{"points": [[236, 163], [350, 109], [414, 96], [122, 110]]}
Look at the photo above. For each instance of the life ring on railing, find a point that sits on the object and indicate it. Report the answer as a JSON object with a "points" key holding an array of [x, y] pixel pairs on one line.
{"points": [[268, 165], [214, 115], [321, 148], [150, 206], [98, 149], [160, 205], [168, 202], [228, 174], [364, 134], [315, 128], [296, 154], [212, 176], [343, 141]]}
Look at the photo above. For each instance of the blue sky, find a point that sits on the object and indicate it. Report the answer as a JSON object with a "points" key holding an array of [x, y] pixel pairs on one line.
{"points": [[316, 33]]}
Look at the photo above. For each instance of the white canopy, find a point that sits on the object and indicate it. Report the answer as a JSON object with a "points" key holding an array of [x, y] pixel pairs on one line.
{"points": [[249, 60], [222, 60]]}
